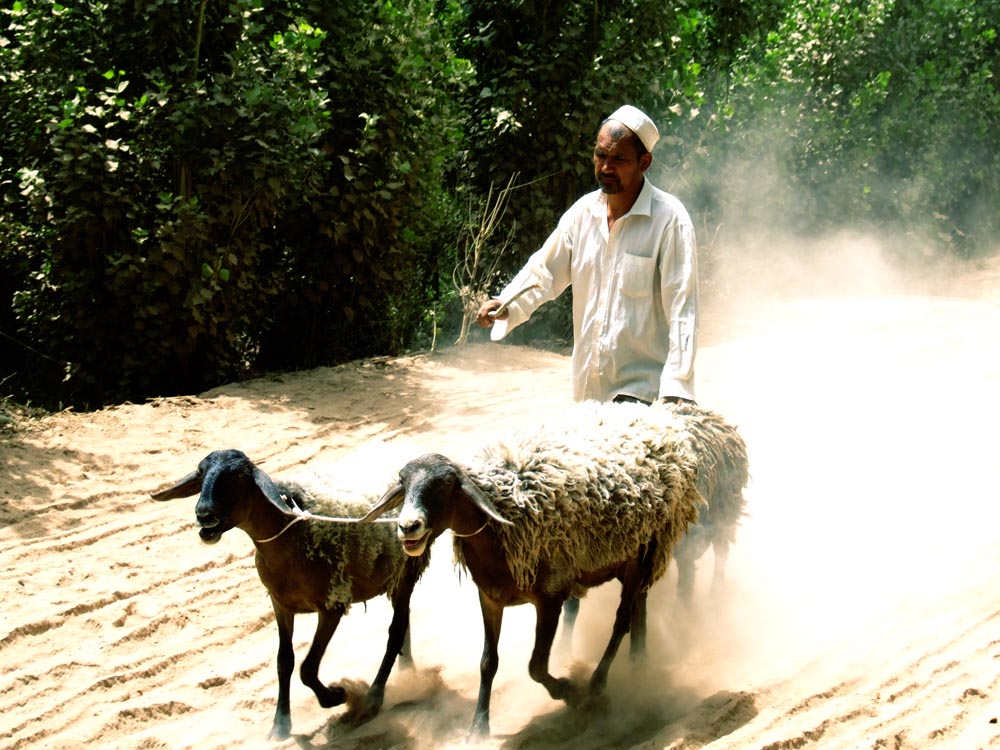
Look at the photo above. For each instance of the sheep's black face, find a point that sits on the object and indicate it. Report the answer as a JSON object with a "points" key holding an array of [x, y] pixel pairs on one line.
{"points": [[222, 483]]}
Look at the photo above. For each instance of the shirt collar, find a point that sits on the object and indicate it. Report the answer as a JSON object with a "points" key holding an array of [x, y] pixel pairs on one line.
{"points": [[644, 201]]}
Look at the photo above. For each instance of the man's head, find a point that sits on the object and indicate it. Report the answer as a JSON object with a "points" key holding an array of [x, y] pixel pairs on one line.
{"points": [[639, 123], [622, 153]]}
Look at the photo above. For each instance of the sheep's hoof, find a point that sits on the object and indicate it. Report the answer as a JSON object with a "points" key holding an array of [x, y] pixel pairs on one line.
{"points": [[281, 730], [362, 712], [567, 690], [480, 728], [332, 696], [597, 684], [595, 702]]}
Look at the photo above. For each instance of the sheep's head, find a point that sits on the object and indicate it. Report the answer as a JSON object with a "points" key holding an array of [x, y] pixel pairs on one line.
{"points": [[226, 481], [435, 494]]}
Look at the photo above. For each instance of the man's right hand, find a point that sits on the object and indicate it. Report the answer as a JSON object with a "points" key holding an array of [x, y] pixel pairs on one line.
{"points": [[483, 317]]}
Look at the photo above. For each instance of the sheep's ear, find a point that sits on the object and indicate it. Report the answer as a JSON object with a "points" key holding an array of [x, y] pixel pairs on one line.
{"points": [[266, 486], [481, 501], [392, 498], [186, 487]]}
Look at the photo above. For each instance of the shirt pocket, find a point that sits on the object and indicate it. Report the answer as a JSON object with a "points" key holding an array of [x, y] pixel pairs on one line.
{"points": [[637, 276]]}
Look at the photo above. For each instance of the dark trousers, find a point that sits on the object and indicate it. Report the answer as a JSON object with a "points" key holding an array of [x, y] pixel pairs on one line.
{"points": [[621, 398]]}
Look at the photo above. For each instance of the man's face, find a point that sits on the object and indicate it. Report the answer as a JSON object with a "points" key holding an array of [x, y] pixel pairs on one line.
{"points": [[617, 166]]}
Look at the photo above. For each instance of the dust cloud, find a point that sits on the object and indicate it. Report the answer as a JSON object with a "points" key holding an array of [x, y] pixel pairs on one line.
{"points": [[865, 385]]}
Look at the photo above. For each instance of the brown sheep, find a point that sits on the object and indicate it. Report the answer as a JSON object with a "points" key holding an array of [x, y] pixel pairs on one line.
{"points": [[723, 473], [312, 566], [550, 515]]}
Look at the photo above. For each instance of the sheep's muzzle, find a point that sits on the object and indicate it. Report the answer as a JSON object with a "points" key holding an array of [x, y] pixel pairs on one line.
{"points": [[212, 528], [414, 537]]}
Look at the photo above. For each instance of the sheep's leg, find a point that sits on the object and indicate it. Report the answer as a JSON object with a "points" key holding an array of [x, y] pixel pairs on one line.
{"points": [[637, 632], [570, 609], [326, 625], [546, 623], [399, 630], [635, 581], [406, 652], [720, 550], [406, 587], [282, 727], [685, 578], [488, 664], [623, 618]]}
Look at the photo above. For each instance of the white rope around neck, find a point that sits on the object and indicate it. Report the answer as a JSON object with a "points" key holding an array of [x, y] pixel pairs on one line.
{"points": [[303, 515], [466, 536]]}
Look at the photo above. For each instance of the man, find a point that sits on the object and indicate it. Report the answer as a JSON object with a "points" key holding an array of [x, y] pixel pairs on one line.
{"points": [[629, 251]]}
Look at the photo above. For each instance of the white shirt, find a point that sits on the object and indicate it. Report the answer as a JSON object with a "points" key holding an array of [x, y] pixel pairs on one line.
{"points": [[635, 296]]}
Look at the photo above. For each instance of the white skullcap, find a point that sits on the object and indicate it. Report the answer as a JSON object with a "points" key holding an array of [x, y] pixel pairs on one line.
{"points": [[636, 120]]}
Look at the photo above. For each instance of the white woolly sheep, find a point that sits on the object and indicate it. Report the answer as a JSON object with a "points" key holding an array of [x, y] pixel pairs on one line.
{"points": [[551, 514], [312, 566], [723, 473]]}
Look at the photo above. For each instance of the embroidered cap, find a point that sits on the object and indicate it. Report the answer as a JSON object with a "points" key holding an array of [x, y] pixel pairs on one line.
{"points": [[636, 120]]}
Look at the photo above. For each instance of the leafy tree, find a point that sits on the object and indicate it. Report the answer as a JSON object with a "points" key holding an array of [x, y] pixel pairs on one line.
{"points": [[363, 254], [870, 114], [180, 180], [933, 167]]}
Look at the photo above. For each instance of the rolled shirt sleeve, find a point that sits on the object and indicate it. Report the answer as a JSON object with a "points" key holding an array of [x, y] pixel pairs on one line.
{"points": [[549, 268]]}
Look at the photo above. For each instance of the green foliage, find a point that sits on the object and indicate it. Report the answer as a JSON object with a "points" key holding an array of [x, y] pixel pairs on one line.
{"points": [[181, 180], [935, 162], [871, 114], [362, 254]]}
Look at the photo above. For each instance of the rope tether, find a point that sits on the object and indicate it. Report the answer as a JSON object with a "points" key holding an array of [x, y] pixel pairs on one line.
{"points": [[302, 515]]}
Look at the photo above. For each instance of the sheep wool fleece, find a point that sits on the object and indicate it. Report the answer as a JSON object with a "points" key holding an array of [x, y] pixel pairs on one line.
{"points": [[723, 467], [608, 478], [369, 544]]}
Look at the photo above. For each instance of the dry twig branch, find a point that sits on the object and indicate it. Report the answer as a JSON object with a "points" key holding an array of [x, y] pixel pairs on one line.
{"points": [[476, 266]]}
